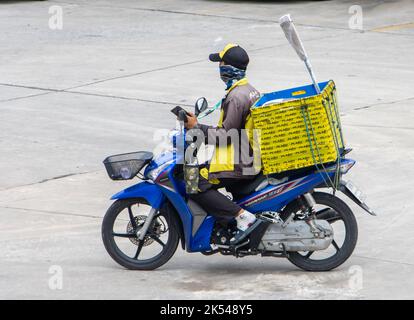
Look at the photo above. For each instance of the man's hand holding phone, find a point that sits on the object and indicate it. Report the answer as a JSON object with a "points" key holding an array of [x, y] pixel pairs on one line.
{"points": [[190, 121]]}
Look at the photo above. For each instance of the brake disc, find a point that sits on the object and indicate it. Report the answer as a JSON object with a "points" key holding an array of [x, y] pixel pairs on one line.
{"points": [[139, 221]]}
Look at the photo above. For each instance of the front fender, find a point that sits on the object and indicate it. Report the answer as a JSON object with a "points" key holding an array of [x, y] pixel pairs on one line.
{"points": [[145, 190]]}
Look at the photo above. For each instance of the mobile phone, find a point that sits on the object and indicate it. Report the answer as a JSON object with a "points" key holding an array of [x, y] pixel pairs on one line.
{"points": [[176, 110]]}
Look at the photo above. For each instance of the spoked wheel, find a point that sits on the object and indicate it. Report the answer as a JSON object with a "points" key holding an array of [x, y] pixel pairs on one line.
{"points": [[121, 224], [344, 225]]}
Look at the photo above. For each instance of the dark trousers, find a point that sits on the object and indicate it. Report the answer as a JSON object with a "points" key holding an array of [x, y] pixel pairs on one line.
{"points": [[213, 201]]}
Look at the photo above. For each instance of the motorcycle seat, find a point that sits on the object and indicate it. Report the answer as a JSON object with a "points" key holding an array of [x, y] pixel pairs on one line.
{"points": [[245, 188]]}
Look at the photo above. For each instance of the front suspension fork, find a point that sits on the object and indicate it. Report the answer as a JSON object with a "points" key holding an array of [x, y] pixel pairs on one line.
{"points": [[143, 231]]}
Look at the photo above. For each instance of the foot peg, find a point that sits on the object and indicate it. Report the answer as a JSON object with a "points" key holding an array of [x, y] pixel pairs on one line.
{"points": [[241, 235]]}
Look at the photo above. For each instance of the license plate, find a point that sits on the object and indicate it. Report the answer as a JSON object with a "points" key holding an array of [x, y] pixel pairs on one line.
{"points": [[359, 196], [356, 192]]}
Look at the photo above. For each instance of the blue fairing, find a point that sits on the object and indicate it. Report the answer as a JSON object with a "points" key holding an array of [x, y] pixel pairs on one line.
{"points": [[166, 188], [273, 198], [200, 241], [173, 190], [146, 190]]}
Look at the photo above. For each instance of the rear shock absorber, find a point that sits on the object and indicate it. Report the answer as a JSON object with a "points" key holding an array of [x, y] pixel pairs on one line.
{"points": [[307, 205], [309, 199]]}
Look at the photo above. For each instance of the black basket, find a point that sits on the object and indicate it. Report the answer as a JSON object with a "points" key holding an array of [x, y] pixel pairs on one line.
{"points": [[126, 166]]}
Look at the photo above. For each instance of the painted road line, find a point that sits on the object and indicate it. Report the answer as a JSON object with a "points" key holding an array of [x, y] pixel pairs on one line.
{"points": [[409, 25]]}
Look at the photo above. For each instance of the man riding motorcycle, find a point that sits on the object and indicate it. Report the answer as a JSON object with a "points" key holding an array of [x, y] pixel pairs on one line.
{"points": [[235, 111], [293, 220]]}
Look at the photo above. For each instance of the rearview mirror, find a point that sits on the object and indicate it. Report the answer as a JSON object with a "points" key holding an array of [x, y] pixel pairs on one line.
{"points": [[200, 105]]}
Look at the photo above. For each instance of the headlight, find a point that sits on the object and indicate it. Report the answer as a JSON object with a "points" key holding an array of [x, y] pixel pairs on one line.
{"points": [[154, 173]]}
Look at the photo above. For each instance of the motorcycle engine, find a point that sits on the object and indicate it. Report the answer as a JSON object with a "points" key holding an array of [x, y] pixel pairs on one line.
{"points": [[221, 235], [298, 236]]}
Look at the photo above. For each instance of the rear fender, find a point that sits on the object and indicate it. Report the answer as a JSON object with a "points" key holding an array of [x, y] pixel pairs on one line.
{"points": [[345, 190]]}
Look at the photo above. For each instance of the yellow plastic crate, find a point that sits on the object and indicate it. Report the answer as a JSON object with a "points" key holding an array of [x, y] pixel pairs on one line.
{"points": [[299, 132]]}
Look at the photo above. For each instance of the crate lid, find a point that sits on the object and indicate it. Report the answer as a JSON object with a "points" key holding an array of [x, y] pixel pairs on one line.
{"points": [[288, 94]]}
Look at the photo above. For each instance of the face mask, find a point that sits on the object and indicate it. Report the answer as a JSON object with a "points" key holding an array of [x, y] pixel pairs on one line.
{"points": [[230, 75]]}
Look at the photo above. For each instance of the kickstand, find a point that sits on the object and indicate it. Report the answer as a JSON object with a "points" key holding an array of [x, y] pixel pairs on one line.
{"points": [[284, 250], [236, 247]]}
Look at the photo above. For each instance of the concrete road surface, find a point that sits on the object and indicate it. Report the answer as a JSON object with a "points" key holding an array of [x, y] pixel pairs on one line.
{"points": [[103, 82]]}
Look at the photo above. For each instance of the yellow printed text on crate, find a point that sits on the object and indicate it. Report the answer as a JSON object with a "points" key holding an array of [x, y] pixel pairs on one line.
{"points": [[299, 133]]}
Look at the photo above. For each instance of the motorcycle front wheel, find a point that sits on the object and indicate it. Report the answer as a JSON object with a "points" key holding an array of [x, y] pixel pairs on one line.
{"points": [[340, 216], [120, 225]]}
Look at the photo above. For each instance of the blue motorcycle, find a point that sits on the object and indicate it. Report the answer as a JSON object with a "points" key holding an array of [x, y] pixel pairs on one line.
{"points": [[315, 230]]}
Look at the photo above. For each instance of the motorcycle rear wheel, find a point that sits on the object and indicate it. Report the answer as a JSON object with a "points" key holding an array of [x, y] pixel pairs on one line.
{"points": [[132, 223], [345, 214]]}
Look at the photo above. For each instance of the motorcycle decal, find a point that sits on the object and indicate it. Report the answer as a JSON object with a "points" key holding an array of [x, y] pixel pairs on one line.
{"points": [[164, 180], [272, 193]]}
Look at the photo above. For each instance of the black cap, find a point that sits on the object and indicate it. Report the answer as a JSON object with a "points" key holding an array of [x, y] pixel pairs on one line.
{"points": [[233, 55]]}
